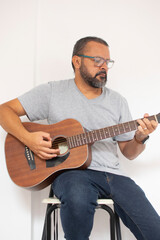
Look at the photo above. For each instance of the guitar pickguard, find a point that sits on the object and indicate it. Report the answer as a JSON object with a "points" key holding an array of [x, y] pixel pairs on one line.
{"points": [[57, 160]]}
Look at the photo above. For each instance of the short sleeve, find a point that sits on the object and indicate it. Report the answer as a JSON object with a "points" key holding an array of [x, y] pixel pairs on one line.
{"points": [[36, 102]]}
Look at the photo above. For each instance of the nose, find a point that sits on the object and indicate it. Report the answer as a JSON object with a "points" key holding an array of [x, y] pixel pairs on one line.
{"points": [[104, 66]]}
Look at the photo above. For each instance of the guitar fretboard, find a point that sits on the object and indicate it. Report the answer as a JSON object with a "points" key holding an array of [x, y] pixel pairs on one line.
{"points": [[103, 133]]}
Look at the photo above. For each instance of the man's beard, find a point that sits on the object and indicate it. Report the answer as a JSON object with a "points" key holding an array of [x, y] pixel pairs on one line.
{"points": [[93, 81]]}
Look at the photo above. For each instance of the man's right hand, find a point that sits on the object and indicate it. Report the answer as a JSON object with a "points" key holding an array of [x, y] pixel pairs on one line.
{"points": [[41, 144]]}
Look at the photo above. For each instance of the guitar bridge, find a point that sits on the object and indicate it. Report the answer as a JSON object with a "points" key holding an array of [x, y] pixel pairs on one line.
{"points": [[30, 158]]}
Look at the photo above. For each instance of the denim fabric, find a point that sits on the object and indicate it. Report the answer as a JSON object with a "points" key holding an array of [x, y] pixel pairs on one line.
{"points": [[79, 190]]}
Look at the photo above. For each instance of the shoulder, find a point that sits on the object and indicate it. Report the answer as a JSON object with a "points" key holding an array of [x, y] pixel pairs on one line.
{"points": [[61, 83]]}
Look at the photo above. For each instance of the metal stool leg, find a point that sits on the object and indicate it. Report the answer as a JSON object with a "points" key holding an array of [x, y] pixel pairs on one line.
{"points": [[48, 220], [112, 220], [44, 234], [118, 229], [55, 224]]}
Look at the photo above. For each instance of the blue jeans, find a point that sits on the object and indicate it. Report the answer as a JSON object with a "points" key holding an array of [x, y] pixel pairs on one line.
{"points": [[79, 190]]}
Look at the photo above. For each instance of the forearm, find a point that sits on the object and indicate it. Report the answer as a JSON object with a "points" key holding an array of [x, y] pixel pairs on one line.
{"points": [[11, 123], [39, 142], [133, 149]]}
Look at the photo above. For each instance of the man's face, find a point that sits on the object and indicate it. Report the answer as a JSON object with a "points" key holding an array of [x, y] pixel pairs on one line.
{"points": [[94, 76]]}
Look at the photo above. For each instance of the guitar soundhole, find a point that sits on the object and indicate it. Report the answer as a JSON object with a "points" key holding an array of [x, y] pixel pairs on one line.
{"points": [[61, 144]]}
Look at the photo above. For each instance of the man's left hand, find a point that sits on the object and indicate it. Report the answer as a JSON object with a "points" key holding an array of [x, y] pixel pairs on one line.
{"points": [[145, 128]]}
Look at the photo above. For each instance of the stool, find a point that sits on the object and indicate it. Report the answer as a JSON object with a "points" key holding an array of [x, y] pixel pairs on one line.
{"points": [[53, 204]]}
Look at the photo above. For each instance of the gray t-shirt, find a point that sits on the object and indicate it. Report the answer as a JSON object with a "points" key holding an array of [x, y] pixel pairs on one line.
{"points": [[59, 100]]}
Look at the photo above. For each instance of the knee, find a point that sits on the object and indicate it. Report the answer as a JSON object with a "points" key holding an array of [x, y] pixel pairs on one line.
{"points": [[79, 200]]}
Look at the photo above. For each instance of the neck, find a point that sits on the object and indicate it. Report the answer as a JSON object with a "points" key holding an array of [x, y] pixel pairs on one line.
{"points": [[88, 91]]}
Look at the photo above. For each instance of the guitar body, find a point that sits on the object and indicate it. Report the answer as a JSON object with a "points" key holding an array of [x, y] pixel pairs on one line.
{"points": [[29, 171]]}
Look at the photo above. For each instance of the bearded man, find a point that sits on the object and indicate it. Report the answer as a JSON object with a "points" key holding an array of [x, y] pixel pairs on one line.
{"points": [[87, 99]]}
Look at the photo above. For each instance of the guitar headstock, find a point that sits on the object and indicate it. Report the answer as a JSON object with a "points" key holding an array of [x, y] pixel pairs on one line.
{"points": [[158, 117]]}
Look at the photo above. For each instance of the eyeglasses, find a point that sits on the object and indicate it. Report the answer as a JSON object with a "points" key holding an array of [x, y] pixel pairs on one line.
{"points": [[99, 61]]}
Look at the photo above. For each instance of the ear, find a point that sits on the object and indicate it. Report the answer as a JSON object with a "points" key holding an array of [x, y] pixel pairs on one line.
{"points": [[76, 61]]}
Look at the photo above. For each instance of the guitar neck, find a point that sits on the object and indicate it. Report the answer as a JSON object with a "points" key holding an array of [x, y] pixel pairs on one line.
{"points": [[104, 133]]}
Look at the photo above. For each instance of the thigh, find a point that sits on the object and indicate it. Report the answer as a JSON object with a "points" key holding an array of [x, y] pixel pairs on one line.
{"points": [[134, 208], [129, 196], [72, 184], [81, 183]]}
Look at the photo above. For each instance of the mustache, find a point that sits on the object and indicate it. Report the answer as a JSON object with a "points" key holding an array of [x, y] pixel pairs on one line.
{"points": [[101, 72]]}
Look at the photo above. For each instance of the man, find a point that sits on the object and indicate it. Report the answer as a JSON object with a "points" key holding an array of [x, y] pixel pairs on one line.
{"points": [[86, 99]]}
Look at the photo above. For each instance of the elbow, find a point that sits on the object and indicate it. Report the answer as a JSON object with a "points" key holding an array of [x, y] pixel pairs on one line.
{"points": [[132, 158], [130, 155]]}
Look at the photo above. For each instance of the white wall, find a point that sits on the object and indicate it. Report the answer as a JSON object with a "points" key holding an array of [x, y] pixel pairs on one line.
{"points": [[37, 42], [17, 56]]}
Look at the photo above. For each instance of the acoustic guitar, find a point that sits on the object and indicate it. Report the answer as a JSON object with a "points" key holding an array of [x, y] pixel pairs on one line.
{"points": [[29, 171]]}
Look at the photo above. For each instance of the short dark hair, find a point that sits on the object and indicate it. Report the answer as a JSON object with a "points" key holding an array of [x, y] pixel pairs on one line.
{"points": [[81, 43]]}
